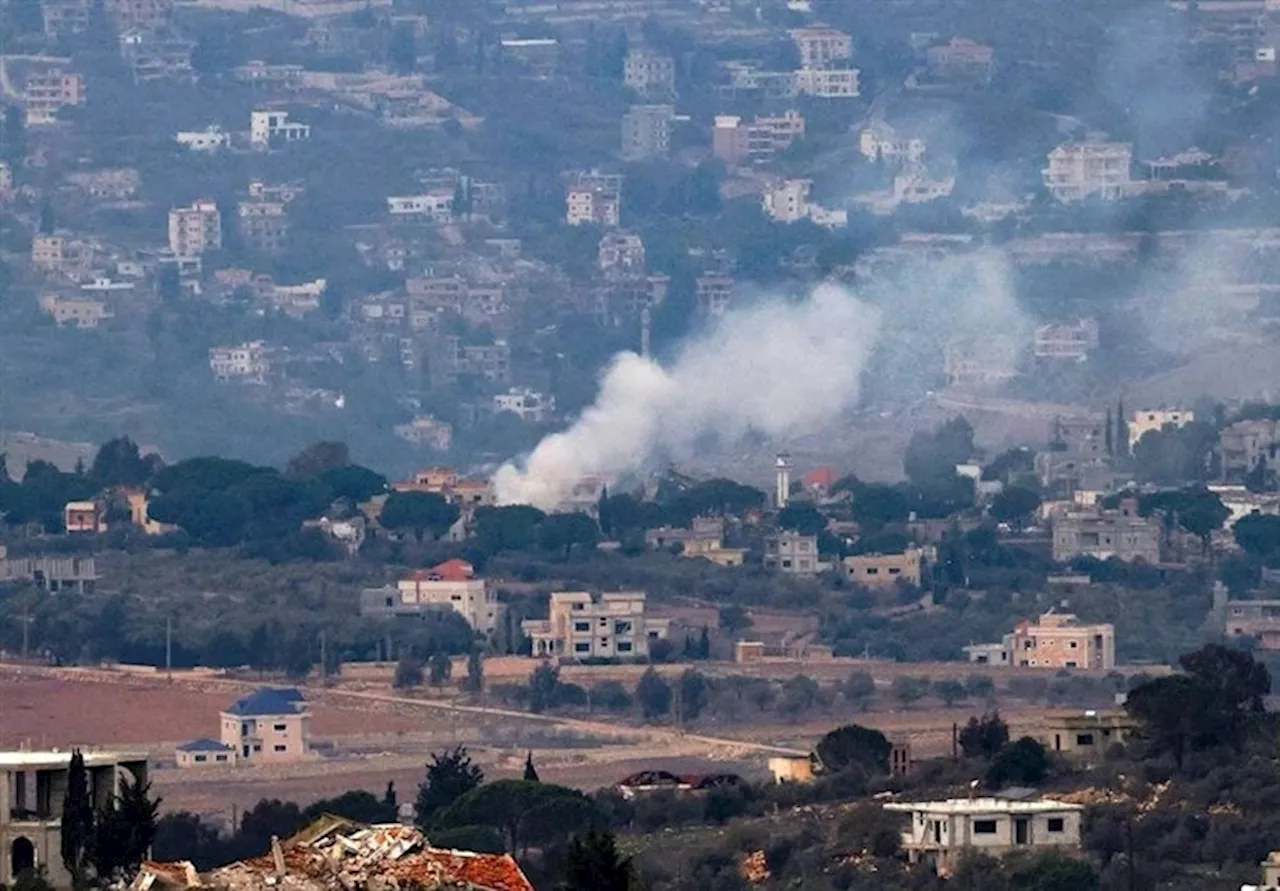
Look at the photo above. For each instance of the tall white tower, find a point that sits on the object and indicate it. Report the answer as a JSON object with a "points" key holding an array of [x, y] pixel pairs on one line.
{"points": [[783, 466]]}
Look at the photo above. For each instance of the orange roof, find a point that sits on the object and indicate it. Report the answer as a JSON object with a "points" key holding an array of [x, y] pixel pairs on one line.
{"points": [[491, 872], [823, 477], [454, 570]]}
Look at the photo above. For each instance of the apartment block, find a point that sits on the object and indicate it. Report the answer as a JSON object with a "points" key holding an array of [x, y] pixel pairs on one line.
{"points": [[941, 833], [594, 199], [61, 253], [1243, 444], [269, 726], [822, 47], [195, 229], [621, 252], [960, 62], [828, 83], [33, 786], [248, 362], [1146, 420], [1105, 534], [650, 73], [1090, 169], [63, 17], [792, 553], [111, 184], [78, 312], [145, 15], [735, 141], [270, 128], [646, 132], [44, 95], [714, 294], [157, 55], [884, 570], [263, 225], [580, 626], [434, 206]]}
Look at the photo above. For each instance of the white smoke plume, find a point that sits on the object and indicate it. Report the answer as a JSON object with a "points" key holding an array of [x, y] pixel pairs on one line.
{"points": [[778, 369]]}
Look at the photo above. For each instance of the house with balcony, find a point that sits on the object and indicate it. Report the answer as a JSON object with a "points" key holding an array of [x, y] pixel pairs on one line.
{"points": [[269, 726], [581, 626]]}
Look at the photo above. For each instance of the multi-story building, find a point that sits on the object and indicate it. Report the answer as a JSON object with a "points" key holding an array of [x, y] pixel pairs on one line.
{"points": [[145, 15], [210, 139], [1243, 444], [44, 95], [1054, 640], [1146, 420], [621, 252], [284, 193], [884, 570], [157, 55], [579, 626], [82, 312], [714, 294], [263, 225], [112, 184], [651, 74], [428, 431], [1071, 341], [195, 229], [980, 362], [52, 574], [529, 405], [258, 73], [822, 47], [268, 128], [1256, 619], [62, 253], [595, 198], [880, 142], [1086, 736], [787, 201], [63, 17], [940, 833], [445, 481], [828, 83], [1090, 169], [248, 362], [452, 585], [735, 141], [1105, 534], [961, 61], [435, 206], [32, 788], [646, 132], [792, 553], [269, 726]]}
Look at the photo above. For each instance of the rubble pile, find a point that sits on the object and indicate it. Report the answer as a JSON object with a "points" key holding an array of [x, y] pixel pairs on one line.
{"points": [[335, 854]]}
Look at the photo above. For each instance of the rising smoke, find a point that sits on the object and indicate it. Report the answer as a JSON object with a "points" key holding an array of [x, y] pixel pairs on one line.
{"points": [[777, 368]]}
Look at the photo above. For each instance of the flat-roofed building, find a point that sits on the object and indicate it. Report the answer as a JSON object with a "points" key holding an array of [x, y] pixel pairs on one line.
{"points": [[580, 626]]}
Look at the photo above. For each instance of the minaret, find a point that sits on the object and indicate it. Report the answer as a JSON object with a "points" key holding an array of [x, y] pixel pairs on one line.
{"points": [[783, 466]]}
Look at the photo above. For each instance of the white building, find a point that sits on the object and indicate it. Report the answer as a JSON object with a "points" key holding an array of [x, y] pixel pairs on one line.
{"points": [[792, 553], [425, 430], [1072, 341], [787, 201], [941, 832], [1145, 420], [649, 73], [880, 142], [621, 252], [828, 83], [822, 47], [583, 627], [436, 206], [529, 405], [195, 229], [594, 199], [1090, 169], [453, 585], [247, 362], [269, 127], [210, 139]]}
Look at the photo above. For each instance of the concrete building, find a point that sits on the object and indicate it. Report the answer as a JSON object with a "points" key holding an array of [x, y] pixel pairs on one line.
{"points": [[787, 201], [828, 83], [157, 55], [621, 252], [1270, 874], [110, 184], [1243, 444], [84, 517], [270, 128], [941, 832], [145, 15], [531, 406], [32, 788], [65, 17], [1105, 534], [248, 362], [646, 132], [195, 229], [426, 430], [1256, 619], [735, 141], [580, 626], [714, 294], [1090, 169], [594, 198], [1086, 736], [980, 362], [52, 574], [263, 226], [1054, 640], [269, 726], [435, 206], [792, 553], [451, 585], [883, 144], [960, 62], [45, 94], [1241, 502], [822, 47], [205, 753], [1072, 341], [62, 253], [82, 312], [884, 570], [650, 73], [1146, 420], [210, 139]]}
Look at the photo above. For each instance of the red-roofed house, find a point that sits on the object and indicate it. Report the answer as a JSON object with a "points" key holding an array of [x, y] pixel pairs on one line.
{"points": [[820, 480], [453, 585]]}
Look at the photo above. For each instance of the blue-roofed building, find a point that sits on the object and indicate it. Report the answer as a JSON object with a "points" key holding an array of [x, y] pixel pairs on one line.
{"points": [[205, 752], [269, 726]]}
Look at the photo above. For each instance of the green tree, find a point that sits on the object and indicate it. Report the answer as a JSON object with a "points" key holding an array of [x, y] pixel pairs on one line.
{"points": [[511, 528], [908, 690], [409, 673], [562, 532], [118, 463], [949, 691], [593, 863], [439, 669], [474, 681], [530, 772], [403, 50], [1052, 872], [359, 805], [854, 746], [525, 813], [317, 459], [423, 513], [450, 776], [653, 694], [931, 458], [124, 832], [1015, 505], [77, 827], [353, 482], [1258, 534], [1022, 763], [858, 688], [695, 693], [544, 687], [802, 517], [984, 737]]}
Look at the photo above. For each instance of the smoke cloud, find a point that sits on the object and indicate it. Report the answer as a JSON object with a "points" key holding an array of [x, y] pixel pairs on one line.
{"points": [[777, 369]]}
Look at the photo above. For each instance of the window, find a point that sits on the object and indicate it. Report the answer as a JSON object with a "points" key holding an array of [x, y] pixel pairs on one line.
{"points": [[624, 646], [984, 827], [1057, 824], [871, 570], [221, 759], [582, 648], [257, 747], [893, 570], [201, 758], [786, 564], [622, 628], [279, 748], [1084, 739], [280, 728], [1073, 644], [389, 601], [581, 626], [579, 606]]}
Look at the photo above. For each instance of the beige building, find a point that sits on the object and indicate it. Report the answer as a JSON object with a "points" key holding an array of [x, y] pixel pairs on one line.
{"points": [[1146, 420], [735, 141], [621, 252], [138, 503], [426, 431], [1054, 640], [1086, 735], [1071, 341], [247, 362], [1257, 619], [941, 832], [791, 769], [822, 47], [580, 626], [195, 229], [61, 253], [46, 94], [595, 199], [884, 570], [32, 788], [1105, 534], [1242, 444], [1090, 169], [792, 553], [82, 312], [269, 726], [451, 585], [205, 753]]}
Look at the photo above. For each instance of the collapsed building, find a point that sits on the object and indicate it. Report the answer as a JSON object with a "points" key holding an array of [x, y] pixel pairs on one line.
{"points": [[336, 854]]}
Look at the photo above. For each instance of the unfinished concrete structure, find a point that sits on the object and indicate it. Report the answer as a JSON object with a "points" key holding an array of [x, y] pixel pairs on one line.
{"points": [[31, 798]]}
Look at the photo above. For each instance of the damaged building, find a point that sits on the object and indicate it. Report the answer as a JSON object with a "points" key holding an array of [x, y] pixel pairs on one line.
{"points": [[335, 854]]}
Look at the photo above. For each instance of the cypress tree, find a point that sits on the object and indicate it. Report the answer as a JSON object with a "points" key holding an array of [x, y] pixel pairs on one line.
{"points": [[530, 772], [77, 823]]}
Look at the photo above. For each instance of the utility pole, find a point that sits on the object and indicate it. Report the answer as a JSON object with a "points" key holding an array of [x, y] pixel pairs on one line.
{"points": [[168, 647], [324, 661], [26, 628]]}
